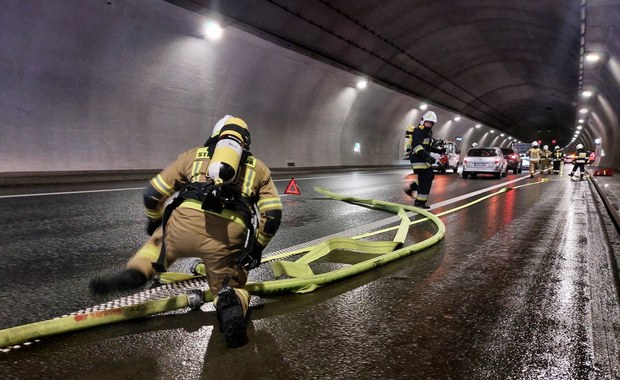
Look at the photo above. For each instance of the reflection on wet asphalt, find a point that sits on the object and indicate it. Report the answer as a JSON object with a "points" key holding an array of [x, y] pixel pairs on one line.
{"points": [[521, 287]]}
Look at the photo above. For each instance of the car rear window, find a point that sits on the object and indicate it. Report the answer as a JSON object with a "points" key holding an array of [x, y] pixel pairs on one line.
{"points": [[507, 151], [482, 153]]}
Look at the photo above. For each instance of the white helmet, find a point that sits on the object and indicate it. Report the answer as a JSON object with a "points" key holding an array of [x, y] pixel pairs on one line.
{"points": [[218, 126], [557, 147], [546, 147], [534, 143], [474, 145], [579, 146], [429, 116]]}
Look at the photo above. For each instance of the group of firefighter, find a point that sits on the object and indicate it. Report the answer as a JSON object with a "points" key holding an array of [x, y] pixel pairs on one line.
{"points": [[548, 161]]}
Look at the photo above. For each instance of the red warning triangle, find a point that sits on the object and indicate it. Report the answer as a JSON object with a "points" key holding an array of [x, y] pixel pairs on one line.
{"points": [[292, 188]]}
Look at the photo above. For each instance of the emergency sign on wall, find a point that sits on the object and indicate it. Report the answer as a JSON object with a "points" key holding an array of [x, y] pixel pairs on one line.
{"points": [[357, 147]]}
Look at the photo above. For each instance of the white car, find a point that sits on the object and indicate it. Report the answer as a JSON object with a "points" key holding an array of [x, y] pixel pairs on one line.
{"points": [[485, 161], [525, 161]]}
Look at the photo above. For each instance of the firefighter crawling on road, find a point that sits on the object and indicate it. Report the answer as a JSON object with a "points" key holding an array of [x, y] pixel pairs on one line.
{"points": [[220, 186]]}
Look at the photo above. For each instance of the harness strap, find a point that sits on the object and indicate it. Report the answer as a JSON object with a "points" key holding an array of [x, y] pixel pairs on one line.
{"points": [[207, 194], [160, 266]]}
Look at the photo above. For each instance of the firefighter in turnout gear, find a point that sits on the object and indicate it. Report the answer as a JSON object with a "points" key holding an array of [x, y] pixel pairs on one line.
{"points": [[580, 161], [558, 159], [419, 140], [534, 154], [545, 160], [222, 190]]}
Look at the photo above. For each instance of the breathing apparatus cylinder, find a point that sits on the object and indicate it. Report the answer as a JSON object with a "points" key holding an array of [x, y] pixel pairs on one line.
{"points": [[233, 137]]}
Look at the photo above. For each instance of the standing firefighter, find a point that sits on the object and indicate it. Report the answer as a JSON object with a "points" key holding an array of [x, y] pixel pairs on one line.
{"points": [[419, 145], [580, 161], [558, 159], [220, 186], [545, 160], [534, 154]]}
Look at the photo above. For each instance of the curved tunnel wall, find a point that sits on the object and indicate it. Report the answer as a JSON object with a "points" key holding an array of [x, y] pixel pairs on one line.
{"points": [[93, 86]]}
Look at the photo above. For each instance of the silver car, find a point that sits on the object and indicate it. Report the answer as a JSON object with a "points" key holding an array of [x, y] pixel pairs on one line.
{"points": [[485, 161]]}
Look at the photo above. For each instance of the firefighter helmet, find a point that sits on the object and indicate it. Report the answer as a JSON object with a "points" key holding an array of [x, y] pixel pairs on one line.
{"points": [[218, 126], [534, 143], [429, 116], [579, 146]]}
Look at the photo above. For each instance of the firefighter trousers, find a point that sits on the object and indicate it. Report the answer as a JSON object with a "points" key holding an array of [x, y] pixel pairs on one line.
{"points": [[219, 242], [424, 181], [581, 167], [533, 167]]}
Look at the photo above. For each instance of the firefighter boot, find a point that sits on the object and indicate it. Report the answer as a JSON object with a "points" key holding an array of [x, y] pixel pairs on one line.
{"points": [[126, 280], [413, 187], [230, 316], [570, 174], [420, 204]]}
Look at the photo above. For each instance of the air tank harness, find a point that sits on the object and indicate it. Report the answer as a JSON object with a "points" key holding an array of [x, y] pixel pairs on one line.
{"points": [[214, 198]]}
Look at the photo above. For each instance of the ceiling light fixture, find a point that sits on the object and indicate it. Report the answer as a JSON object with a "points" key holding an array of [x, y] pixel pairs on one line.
{"points": [[213, 30]]}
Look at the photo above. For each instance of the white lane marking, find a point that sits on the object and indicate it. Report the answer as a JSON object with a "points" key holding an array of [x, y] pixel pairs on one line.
{"points": [[474, 193], [142, 188], [339, 176], [69, 192]]}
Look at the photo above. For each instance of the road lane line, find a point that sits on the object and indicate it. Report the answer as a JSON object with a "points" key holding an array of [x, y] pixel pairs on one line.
{"points": [[142, 188], [69, 192]]}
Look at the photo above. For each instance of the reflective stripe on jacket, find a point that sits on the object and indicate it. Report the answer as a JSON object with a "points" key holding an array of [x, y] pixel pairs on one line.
{"points": [[582, 156]]}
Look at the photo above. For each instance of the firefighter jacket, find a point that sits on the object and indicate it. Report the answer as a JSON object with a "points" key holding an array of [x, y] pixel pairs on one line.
{"points": [[253, 184], [421, 147], [582, 156], [534, 154], [557, 155], [546, 154]]}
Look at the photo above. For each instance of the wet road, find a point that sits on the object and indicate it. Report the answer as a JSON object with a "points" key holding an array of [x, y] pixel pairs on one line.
{"points": [[522, 286]]}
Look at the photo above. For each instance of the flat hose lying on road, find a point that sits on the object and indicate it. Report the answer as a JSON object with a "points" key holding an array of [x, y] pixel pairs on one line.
{"points": [[301, 278]]}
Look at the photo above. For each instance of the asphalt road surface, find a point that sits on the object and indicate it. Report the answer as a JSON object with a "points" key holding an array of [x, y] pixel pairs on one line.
{"points": [[521, 287]]}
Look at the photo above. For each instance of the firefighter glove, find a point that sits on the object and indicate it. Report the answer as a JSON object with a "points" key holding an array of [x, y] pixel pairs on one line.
{"points": [[152, 225], [253, 259]]}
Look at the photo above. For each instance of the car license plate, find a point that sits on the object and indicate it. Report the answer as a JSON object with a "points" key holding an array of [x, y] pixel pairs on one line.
{"points": [[480, 164]]}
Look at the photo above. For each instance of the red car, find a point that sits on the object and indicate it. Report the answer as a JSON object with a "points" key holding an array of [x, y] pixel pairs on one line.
{"points": [[513, 159]]}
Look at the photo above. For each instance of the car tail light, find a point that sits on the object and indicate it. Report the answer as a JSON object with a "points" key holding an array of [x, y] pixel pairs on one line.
{"points": [[514, 156], [465, 160], [497, 160]]}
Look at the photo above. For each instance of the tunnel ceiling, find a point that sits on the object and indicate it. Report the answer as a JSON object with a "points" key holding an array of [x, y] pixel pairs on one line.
{"points": [[513, 65]]}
